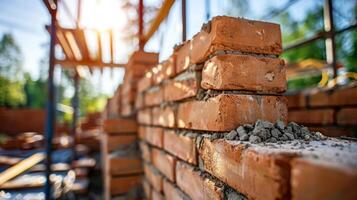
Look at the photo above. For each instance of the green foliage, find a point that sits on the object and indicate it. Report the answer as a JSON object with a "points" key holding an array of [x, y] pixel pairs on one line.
{"points": [[303, 82], [10, 58], [36, 92], [11, 93]]}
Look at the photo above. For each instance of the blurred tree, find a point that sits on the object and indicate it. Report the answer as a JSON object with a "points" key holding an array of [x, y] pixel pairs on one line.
{"points": [[35, 91], [10, 58]]}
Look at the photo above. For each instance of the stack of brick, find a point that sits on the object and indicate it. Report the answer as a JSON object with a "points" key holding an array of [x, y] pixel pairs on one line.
{"points": [[331, 111], [120, 152], [228, 75]]}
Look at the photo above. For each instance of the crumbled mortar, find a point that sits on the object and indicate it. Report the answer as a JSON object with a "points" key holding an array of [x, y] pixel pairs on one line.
{"points": [[264, 131], [231, 194]]}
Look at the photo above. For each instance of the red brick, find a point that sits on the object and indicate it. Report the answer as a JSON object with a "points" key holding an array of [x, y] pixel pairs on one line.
{"points": [[154, 136], [229, 33], [147, 189], [296, 101], [142, 132], [173, 192], [145, 82], [158, 73], [154, 177], [157, 196], [255, 73], [182, 53], [181, 146], [114, 141], [144, 116], [142, 57], [145, 151], [113, 126], [127, 110], [315, 116], [124, 165], [175, 90], [347, 116], [169, 67], [164, 162], [312, 180], [156, 113], [139, 101], [256, 175], [333, 131], [195, 185], [164, 116], [339, 97], [154, 96], [228, 111], [121, 185]]}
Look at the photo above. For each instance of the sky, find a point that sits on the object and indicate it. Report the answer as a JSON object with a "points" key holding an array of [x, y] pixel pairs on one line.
{"points": [[26, 19]]}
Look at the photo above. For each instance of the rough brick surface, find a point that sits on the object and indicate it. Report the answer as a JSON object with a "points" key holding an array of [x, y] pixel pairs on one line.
{"points": [[145, 82], [169, 67], [157, 196], [297, 101], [254, 73], [175, 90], [228, 33], [164, 162], [113, 126], [144, 116], [154, 177], [173, 192], [227, 111], [154, 96], [154, 136], [256, 175], [114, 141], [316, 181], [347, 116], [167, 116], [316, 116], [181, 146], [195, 185], [182, 54], [147, 189], [121, 185], [124, 165]]}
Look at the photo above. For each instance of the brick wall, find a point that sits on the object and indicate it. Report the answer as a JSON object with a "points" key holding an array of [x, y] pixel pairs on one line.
{"points": [[227, 75], [331, 111]]}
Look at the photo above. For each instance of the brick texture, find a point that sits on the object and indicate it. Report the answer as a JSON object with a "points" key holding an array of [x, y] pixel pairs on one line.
{"points": [[316, 116], [164, 162]]}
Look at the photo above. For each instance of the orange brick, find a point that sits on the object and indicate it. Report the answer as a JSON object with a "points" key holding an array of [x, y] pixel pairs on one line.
{"points": [[255, 73], [175, 90], [315, 116], [195, 185], [154, 96], [182, 54], [333, 131], [145, 151], [147, 189], [173, 192], [142, 132], [169, 67], [154, 136], [164, 162], [142, 57], [113, 126], [167, 116], [181, 146], [157, 196], [339, 97], [144, 116], [139, 101], [114, 141], [296, 101], [313, 180], [228, 111], [256, 175], [145, 82], [124, 165], [154, 177], [347, 116], [229, 33], [121, 185]]}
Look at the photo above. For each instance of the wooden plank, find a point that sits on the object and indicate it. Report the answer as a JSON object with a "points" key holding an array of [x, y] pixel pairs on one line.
{"points": [[21, 167], [91, 64]]}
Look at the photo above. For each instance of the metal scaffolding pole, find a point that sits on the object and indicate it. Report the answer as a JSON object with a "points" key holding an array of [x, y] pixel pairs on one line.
{"points": [[75, 105], [141, 24], [183, 12], [50, 119], [330, 39]]}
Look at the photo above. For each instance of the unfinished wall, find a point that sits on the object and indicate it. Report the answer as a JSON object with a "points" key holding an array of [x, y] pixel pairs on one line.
{"points": [[331, 111]]}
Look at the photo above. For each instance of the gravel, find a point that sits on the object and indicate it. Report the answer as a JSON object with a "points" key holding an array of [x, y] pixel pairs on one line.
{"points": [[264, 131]]}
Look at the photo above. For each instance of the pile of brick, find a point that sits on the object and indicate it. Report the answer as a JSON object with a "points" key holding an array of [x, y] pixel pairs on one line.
{"points": [[329, 111], [122, 169], [230, 75]]}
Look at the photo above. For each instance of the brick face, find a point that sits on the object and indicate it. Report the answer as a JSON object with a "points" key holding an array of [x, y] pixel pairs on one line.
{"points": [[153, 176], [181, 146], [145, 151], [316, 116], [316, 181], [145, 82], [114, 141], [147, 189], [121, 185], [256, 175], [144, 116], [164, 162], [154, 136], [347, 116], [113, 126], [124, 165], [173, 192], [157, 196], [297, 101], [340, 97], [180, 89], [228, 33], [255, 73], [227, 111], [195, 185], [154, 97], [182, 54]]}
